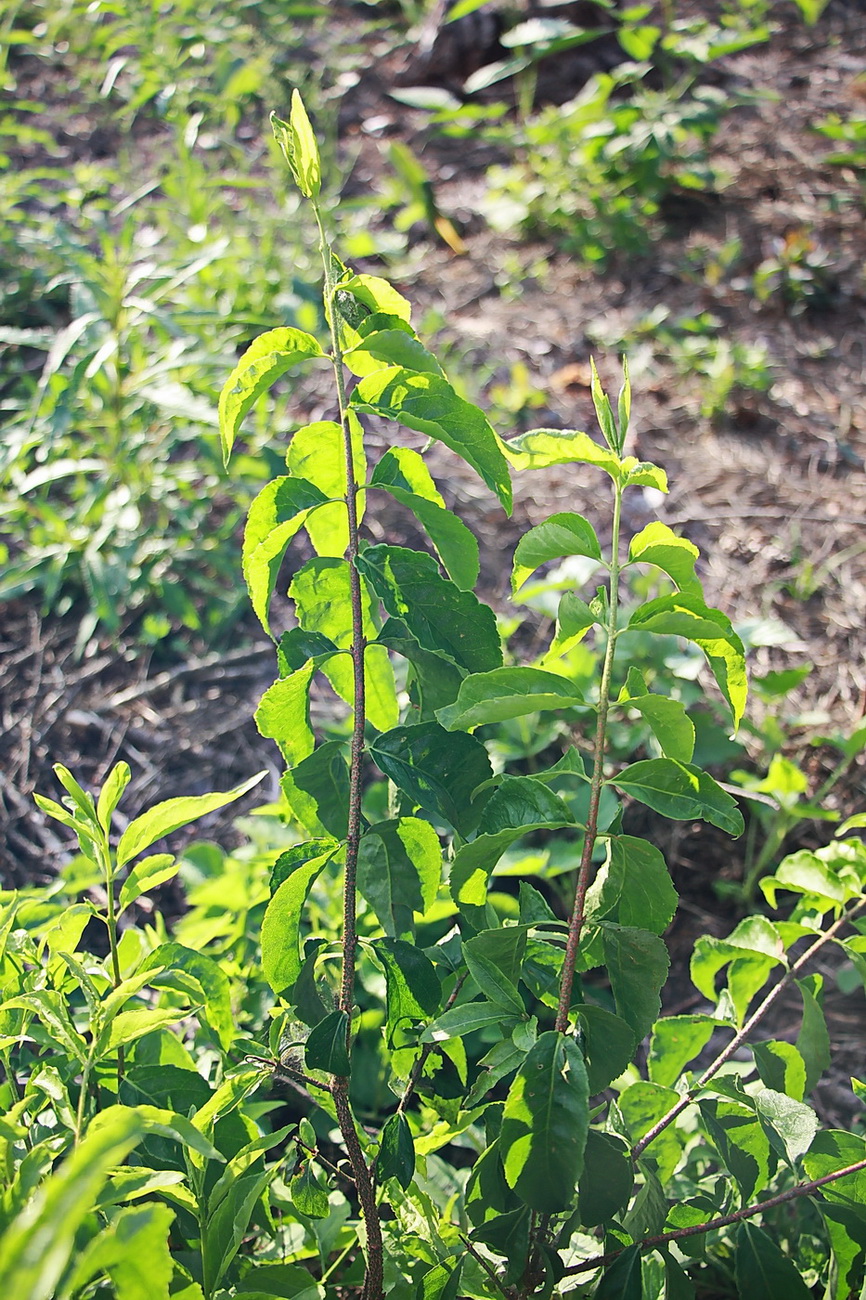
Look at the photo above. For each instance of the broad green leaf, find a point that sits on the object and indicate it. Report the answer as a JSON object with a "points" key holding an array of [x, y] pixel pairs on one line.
{"points": [[495, 985], [609, 1044], [455, 544], [412, 987], [82, 800], [111, 793], [376, 294], [805, 873], [505, 949], [265, 360], [212, 978], [762, 1271], [396, 1157], [741, 1142], [781, 1067], [685, 614], [317, 454], [401, 467], [437, 769], [540, 448], [634, 886], [621, 1280], [307, 1194], [224, 1231], [545, 1125], [281, 958], [507, 693], [430, 405], [607, 1179], [38, 1246], [462, 1020], [166, 817], [573, 620], [317, 791], [752, 950], [678, 1284], [846, 1230], [399, 868], [275, 516], [558, 536], [637, 964], [434, 678], [518, 807], [128, 1026], [659, 545], [641, 1106], [836, 1149], [390, 347], [790, 1125], [325, 1049], [508, 1235], [283, 714], [813, 1040], [680, 791], [298, 143], [438, 614], [133, 1251], [675, 1041], [502, 1059], [667, 719], [648, 1212], [147, 874]]}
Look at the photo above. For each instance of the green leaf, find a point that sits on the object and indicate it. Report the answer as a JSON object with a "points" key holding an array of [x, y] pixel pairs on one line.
{"points": [[558, 536], [573, 620], [659, 545], [846, 1230], [607, 1179], [507, 693], [317, 791], [434, 679], [145, 875], [224, 1230], [762, 1271], [621, 1280], [781, 1067], [298, 143], [281, 958], [675, 1041], [275, 516], [505, 949], [265, 360], [166, 817], [790, 1125], [438, 614], [396, 1157], [413, 991], [307, 1194], [545, 1124], [317, 453], [541, 448], [508, 1235], [283, 714], [752, 949], [462, 1020], [518, 807], [429, 404], [111, 793], [399, 869], [667, 719], [437, 769], [813, 1040], [741, 1142], [609, 1044], [127, 1026], [634, 886], [212, 978], [680, 791], [495, 985], [325, 1049], [836, 1149], [685, 614], [637, 964], [455, 544], [133, 1251], [376, 294], [390, 347]]}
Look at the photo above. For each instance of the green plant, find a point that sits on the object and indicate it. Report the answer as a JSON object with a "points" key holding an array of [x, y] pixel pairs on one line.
{"points": [[441, 1050]]}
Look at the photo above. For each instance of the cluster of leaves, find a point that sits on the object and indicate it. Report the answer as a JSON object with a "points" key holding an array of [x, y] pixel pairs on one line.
{"points": [[465, 1115]]}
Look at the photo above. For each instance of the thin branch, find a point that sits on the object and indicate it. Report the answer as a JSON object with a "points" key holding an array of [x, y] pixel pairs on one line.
{"points": [[699, 1229], [740, 1037]]}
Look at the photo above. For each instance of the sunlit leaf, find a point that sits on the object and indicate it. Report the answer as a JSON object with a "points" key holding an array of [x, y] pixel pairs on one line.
{"points": [[263, 363], [507, 693], [558, 536], [166, 817]]}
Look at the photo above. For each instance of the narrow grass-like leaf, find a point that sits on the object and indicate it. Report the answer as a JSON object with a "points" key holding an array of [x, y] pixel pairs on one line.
{"points": [[264, 361]]}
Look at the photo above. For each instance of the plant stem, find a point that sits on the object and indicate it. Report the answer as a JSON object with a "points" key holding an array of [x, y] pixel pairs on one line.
{"points": [[417, 1068], [698, 1229], [740, 1037], [591, 834], [111, 926], [364, 1182]]}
